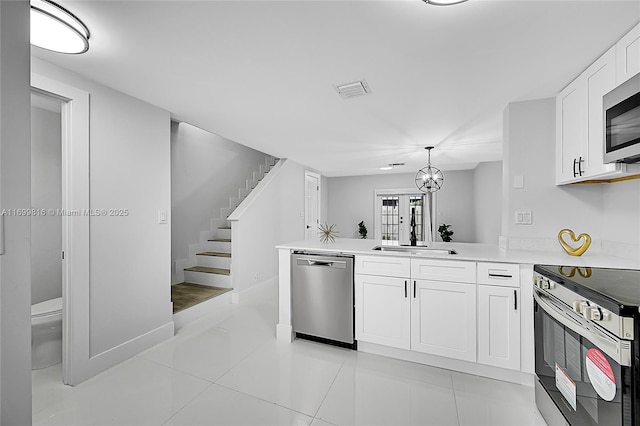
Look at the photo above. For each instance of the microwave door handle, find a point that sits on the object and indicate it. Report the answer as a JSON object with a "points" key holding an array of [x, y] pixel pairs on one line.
{"points": [[621, 353]]}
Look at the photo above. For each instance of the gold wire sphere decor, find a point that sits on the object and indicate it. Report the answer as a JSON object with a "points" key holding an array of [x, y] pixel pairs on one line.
{"points": [[429, 179]]}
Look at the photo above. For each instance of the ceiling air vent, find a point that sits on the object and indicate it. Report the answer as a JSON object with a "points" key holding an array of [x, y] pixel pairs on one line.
{"points": [[353, 89]]}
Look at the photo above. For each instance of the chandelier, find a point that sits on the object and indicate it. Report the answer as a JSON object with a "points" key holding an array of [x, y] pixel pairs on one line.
{"points": [[429, 179]]}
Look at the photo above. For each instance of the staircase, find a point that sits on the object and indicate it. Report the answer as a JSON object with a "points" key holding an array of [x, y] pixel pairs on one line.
{"points": [[211, 257]]}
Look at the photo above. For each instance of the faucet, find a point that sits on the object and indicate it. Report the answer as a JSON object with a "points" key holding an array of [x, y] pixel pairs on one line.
{"points": [[412, 237]]}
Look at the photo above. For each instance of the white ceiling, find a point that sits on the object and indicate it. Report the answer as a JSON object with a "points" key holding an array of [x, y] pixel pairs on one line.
{"points": [[261, 73]]}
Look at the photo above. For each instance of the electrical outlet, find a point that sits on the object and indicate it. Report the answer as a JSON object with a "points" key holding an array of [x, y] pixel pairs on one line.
{"points": [[524, 218]]}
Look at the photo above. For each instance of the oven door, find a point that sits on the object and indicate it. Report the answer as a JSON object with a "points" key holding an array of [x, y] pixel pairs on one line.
{"points": [[585, 371]]}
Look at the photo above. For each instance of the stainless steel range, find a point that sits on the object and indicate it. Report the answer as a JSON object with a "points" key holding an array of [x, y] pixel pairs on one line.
{"points": [[587, 345]]}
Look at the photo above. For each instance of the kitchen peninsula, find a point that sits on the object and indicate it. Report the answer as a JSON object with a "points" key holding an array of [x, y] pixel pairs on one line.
{"points": [[471, 311]]}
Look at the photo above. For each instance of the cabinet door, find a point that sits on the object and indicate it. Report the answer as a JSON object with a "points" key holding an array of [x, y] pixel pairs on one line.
{"points": [[382, 310], [571, 122], [628, 55], [499, 326], [600, 79], [443, 319]]}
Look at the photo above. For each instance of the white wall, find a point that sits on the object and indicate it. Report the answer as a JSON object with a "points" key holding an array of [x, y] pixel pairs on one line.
{"points": [[608, 212], [206, 170], [275, 216], [351, 200], [46, 193], [15, 193], [487, 211], [130, 264]]}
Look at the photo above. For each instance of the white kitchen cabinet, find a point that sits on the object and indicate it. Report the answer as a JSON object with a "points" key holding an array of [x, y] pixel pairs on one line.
{"points": [[580, 125], [571, 126], [628, 55], [443, 319], [499, 326], [382, 310]]}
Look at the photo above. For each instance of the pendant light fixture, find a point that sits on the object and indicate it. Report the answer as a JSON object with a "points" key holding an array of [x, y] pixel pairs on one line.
{"points": [[429, 179], [55, 28], [443, 2]]}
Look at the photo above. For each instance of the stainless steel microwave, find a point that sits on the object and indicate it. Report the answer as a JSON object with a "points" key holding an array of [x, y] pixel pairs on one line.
{"points": [[622, 123]]}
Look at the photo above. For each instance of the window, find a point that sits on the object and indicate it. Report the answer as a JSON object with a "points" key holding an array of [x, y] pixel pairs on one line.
{"points": [[393, 215]]}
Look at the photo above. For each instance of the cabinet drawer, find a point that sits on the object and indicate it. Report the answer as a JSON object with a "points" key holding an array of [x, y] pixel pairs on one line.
{"points": [[389, 266], [503, 274], [443, 270]]}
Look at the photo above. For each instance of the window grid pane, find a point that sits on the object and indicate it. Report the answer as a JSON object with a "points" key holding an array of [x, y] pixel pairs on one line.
{"points": [[390, 218]]}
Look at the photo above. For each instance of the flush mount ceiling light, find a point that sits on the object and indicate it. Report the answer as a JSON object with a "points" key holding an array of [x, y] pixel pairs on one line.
{"points": [[55, 28], [429, 179], [443, 2]]}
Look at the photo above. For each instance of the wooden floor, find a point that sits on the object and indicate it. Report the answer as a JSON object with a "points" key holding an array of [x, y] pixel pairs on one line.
{"points": [[186, 295]]}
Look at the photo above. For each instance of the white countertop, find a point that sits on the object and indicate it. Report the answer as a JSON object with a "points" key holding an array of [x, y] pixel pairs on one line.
{"points": [[468, 251]]}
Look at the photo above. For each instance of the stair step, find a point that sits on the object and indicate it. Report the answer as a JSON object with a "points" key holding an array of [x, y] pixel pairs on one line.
{"points": [[207, 270], [220, 240], [213, 253]]}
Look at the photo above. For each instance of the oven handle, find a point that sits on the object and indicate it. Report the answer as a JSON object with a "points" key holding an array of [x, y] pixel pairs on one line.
{"points": [[619, 350]]}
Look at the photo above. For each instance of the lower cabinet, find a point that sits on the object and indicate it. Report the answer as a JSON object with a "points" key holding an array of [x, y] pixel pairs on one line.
{"points": [[443, 319], [383, 310], [476, 320], [499, 326]]}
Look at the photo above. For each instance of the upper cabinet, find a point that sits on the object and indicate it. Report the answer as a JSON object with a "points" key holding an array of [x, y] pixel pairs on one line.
{"points": [[580, 115], [628, 55]]}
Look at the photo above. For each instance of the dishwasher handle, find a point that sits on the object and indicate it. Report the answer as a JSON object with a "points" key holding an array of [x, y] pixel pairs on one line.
{"points": [[305, 261]]}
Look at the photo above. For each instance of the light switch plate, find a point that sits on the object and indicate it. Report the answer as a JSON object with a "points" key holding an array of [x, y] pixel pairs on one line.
{"points": [[162, 217], [524, 218]]}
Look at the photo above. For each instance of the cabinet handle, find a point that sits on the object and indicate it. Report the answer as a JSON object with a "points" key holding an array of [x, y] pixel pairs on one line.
{"points": [[580, 171], [575, 162], [500, 275], [405, 289], [515, 300], [414, 289]]}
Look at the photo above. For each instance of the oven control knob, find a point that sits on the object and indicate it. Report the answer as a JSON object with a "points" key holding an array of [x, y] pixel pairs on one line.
{"points": [[580, 306], [546, 284], [593, 313]]}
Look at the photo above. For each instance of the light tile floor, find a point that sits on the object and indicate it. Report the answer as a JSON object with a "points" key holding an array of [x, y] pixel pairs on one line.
{"points": [[228, 369]]}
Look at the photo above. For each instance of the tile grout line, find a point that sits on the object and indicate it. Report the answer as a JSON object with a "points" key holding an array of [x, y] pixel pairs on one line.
{"points": [[188, 403], [455, 400], [328, 390]]}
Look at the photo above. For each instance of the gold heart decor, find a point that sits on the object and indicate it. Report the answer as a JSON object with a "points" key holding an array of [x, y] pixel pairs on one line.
{"points": [[570, 250]]}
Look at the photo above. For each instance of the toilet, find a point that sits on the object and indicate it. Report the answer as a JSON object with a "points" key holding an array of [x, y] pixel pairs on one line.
{"points": [[46, 333]]}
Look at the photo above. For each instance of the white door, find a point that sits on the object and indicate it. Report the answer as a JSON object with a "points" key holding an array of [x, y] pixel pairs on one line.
{"points": [[311, 205], [443, 319], [382, 310], [499, 326]]}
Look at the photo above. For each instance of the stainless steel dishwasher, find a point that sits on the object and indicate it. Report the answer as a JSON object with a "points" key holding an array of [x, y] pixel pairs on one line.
{"points": [[322, 298]]}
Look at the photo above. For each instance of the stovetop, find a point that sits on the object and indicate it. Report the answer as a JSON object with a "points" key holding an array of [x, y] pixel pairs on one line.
{"points": [[617, 286]]}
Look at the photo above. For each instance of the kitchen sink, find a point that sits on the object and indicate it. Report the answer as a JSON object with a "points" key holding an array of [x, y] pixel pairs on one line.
{"points": [[415, 249]]}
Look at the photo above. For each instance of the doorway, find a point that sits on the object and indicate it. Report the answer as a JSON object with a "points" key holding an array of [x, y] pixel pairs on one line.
{"points": [[74, 250], [46, 198], [393, 214], [311, 205]]}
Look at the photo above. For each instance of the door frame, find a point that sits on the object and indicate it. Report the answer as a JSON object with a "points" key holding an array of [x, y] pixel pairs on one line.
{"points": [[306, 197], [75, 227]]}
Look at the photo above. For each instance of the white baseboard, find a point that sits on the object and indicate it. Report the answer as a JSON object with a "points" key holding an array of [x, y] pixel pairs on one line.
{"points": [[449, 363], [114, 356]]}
